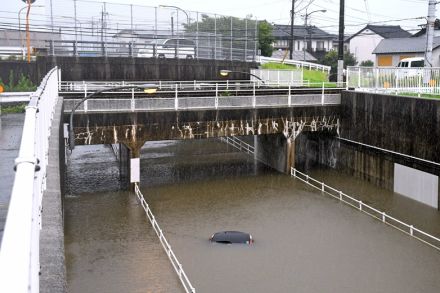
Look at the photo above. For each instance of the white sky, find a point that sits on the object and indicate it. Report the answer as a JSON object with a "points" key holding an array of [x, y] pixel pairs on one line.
{"points": [[390, 12]]}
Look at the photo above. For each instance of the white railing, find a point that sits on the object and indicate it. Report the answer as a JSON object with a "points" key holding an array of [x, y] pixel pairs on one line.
{"points": [[415, 81], [166, 246], [173, 100], [279, 77], [367, 209], [19, 254], [13, 97], [238, 144], [300, 64]]}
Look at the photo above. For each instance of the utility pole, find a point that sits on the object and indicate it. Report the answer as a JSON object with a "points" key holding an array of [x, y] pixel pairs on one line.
{"points": [[292, 17], [430, 33], [341, 42]]}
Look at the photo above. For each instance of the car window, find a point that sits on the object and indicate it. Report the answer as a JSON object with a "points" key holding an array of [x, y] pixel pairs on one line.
{"points": [[404, 64], [170, 43], [417, 63]]}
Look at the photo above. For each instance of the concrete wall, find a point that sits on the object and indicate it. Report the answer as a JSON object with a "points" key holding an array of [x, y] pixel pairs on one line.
{"points": [[118, 68], [52, 260]]}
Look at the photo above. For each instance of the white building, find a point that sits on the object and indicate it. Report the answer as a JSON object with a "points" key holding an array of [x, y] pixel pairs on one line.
{"points": [[362, 43]]}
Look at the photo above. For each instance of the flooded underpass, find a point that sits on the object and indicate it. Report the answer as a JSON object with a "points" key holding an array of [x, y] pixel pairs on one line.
{"points": [[304, 241]]}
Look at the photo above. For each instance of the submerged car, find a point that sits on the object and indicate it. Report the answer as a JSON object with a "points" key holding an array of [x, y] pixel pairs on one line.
{"points": [[229, 237]]}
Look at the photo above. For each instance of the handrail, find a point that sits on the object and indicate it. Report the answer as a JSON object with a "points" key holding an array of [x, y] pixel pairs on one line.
{"points": [[302, 64], [369, 210], [166, 246], [19, 254]]}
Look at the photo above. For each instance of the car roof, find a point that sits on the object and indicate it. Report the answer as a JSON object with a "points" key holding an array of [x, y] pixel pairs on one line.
{"points": [[231, 237], [412, 59]]}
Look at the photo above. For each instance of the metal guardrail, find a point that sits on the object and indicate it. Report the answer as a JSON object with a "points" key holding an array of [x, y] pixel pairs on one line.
{"points": [[13, 97], [19, 254], [238, 144], [166, 246], [375, 213], [215, 97], [300, 64], [394, 80]]}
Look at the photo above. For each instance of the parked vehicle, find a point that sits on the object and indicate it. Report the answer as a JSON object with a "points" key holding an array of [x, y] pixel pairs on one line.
{"points": [[168, 48], [412, 62], [229, 237]]}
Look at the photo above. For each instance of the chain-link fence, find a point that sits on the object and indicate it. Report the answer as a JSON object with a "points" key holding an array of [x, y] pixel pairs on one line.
{"points": [[90, 28]]}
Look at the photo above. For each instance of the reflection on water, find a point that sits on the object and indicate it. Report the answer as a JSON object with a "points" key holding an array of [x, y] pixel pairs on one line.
{"points": [[304, 242]]}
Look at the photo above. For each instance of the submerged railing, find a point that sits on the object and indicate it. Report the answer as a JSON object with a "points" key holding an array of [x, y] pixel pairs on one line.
{"points": [[20, 251], [166, 246], [375, 213]]}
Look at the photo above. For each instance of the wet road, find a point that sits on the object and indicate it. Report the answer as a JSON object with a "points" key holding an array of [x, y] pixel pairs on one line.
{"points": [[304, 242], [11, 127]]}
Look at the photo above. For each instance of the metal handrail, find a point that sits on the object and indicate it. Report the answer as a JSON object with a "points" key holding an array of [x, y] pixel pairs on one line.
{"points": [[19, 254], [166, 246], [367, 209]]}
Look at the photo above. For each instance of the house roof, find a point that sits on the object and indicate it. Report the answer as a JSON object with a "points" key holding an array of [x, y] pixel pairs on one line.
{"points": [[404, 45], [282, 31], [385, 31], [423, 30], [296, 55]]}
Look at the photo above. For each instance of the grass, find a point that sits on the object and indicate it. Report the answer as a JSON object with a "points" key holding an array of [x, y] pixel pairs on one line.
{"points": [[16, 108], [429, 96], [312, 76]]}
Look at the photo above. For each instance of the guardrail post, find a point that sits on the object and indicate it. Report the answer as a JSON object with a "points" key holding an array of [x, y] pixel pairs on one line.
{"points": [[359, 77], [340, 195], [360, 205], [411, 230], [176, 100], [322, 186], [216, 96], [194, 85], [384, 217], [254, 98], [85, 95], [289, 97], [322, 95]]}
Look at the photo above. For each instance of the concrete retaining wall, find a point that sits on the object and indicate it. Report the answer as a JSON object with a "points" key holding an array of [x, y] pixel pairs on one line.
{"points": [[125, 68], [52, 260]]}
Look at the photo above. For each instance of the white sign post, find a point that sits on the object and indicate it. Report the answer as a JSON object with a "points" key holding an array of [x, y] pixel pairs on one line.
{"points": [[135, 170]]}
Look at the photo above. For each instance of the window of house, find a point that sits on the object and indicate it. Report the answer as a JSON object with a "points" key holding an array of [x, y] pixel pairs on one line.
{"points": [[320, 45]]}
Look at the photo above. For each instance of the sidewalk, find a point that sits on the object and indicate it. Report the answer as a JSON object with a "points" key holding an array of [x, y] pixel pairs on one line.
{"points": [[11, 127]]}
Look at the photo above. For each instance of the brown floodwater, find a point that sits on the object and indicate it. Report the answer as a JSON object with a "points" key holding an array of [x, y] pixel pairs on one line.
{"points": [[304, 241]]}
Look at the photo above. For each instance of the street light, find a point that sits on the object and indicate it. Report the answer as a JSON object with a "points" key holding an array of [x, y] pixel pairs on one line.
{"points": [[148, 89], [225, 72], [178, 8], [305, 27], [19, 21]]}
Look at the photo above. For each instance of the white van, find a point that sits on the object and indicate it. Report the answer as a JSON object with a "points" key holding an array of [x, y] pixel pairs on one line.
{"points": [[168, 48], [412, 62]]}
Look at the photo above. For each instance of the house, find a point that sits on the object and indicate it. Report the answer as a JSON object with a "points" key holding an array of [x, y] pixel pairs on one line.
{"points": [[316, 41], [390, 51], [422, 32], [362, 43]]}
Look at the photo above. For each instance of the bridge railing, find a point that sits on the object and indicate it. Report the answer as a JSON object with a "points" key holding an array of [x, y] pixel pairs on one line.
{"points": [[369, 210], [166, 246], [213, 98], [19, 254]]}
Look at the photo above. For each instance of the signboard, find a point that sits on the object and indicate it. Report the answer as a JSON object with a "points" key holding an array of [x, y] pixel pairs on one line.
{"points": [[135, 170]]}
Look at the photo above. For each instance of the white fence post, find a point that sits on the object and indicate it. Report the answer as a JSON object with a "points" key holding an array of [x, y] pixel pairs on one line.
{"points": [[216, 96], [176, 100], [254, 98], [289, 96], [323, 95], [132, 100]]}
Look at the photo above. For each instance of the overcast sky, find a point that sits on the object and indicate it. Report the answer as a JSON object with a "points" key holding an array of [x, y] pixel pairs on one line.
{"points": [[358, 12]]}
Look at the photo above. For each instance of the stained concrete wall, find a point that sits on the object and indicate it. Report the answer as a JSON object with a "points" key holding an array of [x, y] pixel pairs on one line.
{"points": [[125, 68], [52, 260]]}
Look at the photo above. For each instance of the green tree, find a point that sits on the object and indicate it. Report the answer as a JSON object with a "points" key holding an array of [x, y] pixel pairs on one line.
{"points": [[331, 59], [265, 38], [367, 63]]}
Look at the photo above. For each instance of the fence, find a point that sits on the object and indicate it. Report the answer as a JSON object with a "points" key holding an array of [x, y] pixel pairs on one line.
{"points": [[173, 259], [299, 64], [238, 144], [396, 80], [92, 28], [209, 98], [278, 77], [19, 254], [359, 205]]}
